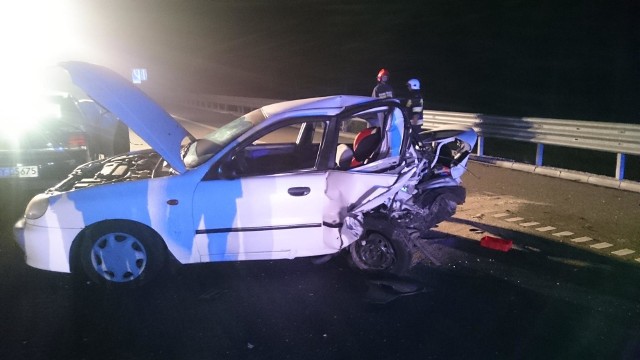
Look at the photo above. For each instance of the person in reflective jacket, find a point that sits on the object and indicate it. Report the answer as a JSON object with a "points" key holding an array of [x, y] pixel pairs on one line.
{"points": [[414, 106], [382, 89]]}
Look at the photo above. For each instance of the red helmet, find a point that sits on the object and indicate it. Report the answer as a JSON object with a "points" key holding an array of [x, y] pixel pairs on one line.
{"points": [[381, 73]]}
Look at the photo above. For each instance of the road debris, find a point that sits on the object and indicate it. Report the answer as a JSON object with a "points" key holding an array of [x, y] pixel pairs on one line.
{"points": [[496, 243], [383, 291]]}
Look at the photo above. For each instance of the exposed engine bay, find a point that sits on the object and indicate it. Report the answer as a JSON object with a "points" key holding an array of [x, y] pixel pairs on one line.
{"points": [[126, 167]]}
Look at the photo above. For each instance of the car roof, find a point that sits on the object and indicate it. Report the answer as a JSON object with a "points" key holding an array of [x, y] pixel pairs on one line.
{"points": [[328, 105]]}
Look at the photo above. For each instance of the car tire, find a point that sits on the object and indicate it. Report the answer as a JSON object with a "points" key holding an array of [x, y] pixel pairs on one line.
{"points": [[121, 254], [377, 252]]}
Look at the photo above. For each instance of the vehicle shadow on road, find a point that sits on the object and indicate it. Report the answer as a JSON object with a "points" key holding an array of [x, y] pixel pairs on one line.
{"points": [[544, 262], [502, 305]]}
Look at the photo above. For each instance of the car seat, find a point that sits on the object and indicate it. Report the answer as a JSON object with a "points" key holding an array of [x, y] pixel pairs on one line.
{"points": [[366, 146], [344, 155]]}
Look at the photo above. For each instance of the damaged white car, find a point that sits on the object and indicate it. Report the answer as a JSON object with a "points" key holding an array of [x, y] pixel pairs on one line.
{"points": [[300, 178]]}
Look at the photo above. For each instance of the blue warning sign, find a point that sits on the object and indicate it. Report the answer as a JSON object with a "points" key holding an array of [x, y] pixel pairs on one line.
{"points": [[138, 75]]}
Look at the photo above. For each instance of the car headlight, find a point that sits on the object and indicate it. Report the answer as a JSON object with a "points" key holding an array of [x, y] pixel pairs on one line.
{"points": [[37, 206]]}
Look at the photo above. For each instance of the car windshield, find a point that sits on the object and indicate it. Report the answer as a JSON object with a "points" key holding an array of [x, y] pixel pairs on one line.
{"points": [[204, 149]]}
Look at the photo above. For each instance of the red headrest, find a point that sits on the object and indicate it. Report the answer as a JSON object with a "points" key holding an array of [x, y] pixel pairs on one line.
{"points": [[365, 144]]}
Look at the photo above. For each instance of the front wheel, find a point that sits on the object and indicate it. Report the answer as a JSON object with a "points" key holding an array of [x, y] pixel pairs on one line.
{"points": [[378, 253], [121, 254]]}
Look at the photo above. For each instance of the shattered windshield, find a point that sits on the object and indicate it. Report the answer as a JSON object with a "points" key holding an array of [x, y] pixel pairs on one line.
{"points": [[201, 150]]}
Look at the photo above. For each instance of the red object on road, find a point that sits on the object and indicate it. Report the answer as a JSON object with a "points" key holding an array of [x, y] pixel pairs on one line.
{"points": [[496, 243]]}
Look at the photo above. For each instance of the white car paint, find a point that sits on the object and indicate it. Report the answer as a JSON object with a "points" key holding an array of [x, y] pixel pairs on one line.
{"points": [[252, 217]]}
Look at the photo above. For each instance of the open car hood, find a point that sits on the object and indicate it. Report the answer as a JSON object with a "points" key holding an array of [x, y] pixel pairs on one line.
{"points": [[144, 116]]}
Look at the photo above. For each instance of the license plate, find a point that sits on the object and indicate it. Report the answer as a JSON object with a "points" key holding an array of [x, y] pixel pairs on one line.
{"points": [[19, 171]]}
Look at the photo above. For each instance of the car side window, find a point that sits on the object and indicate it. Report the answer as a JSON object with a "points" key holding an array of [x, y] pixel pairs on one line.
{"points": [[368, 136], [286, 149]]}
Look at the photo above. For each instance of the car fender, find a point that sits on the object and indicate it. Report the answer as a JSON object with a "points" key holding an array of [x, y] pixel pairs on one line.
{"points": [[163, 204]]}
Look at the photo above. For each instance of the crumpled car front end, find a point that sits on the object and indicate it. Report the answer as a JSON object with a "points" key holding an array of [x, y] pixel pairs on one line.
{"points": [[426, 192]]}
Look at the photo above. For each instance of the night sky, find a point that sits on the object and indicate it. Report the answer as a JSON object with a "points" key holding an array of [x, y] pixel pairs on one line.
{"points": [[575, 59]]}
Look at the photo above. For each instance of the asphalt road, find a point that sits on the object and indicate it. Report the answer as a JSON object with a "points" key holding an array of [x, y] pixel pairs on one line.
{"points": [[543, 299], [547, 298]]}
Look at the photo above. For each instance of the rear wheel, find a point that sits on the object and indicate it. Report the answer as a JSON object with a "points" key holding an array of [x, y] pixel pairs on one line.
{"points": [[121, 254], [376, 252]]}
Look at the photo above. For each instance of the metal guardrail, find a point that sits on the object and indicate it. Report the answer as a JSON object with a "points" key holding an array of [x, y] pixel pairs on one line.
{"points": [[621, 139], [220, 103]]}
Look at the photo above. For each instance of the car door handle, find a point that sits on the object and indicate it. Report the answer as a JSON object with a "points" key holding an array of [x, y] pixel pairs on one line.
{"points": [[299, 191]]}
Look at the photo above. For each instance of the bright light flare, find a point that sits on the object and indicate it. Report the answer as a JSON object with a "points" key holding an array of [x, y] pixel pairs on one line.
{"points": [[37, 111], [33, 35]]}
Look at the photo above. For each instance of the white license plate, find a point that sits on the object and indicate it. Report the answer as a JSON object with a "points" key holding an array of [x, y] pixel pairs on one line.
{"points": [[19, 171]]}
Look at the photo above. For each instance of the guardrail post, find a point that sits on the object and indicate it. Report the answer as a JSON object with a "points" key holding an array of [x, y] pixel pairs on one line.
{"points": [[620, 160], [539, 154], [480, 148]]}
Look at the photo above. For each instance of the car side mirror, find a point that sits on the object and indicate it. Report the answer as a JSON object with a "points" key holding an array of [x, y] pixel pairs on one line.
{"points": [[227, 171], [232, 168]]}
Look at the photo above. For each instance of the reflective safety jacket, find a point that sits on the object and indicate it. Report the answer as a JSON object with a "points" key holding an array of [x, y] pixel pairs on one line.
{"points": [[414, 107], [382, 91]]}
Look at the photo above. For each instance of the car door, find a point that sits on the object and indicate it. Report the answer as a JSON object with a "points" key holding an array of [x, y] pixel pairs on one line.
{"points": [[265, 199], [371, 176]]}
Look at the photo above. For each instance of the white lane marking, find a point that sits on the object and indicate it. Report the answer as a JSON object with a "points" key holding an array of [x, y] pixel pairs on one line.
{"points": [[601, 245], [546, 228], [623, 252], [563, 233]]}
